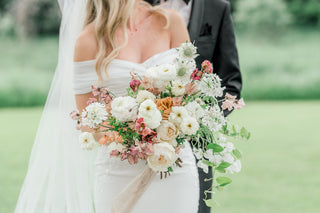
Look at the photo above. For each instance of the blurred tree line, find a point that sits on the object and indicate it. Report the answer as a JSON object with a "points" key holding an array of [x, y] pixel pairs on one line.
{"points": [[42, 17]]}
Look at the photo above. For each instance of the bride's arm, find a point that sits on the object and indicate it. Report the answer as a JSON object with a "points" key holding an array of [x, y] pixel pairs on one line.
{"points": [[86, 48], [178, 30]]}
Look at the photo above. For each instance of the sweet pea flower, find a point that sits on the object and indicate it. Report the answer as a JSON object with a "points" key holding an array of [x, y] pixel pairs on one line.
{"points": [[134, 85], [227, 104], [196, 75], [239, 104], [207, 66]]}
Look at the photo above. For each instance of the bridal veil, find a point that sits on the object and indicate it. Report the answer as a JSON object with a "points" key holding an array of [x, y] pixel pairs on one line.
{"points": [[60, 176]]}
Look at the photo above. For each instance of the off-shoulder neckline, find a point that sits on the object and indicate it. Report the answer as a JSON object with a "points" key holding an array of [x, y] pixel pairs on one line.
{"points": [[127, 61]]}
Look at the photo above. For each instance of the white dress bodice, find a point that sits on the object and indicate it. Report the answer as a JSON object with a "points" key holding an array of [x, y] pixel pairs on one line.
{"points": [[84, 74], [178, 193]]}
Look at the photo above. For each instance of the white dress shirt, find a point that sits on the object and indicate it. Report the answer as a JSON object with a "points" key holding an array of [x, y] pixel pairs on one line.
{"points": [[180, 6]]}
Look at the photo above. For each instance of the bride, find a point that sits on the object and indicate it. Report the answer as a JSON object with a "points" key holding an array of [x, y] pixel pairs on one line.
{"points": [[118, 36]]}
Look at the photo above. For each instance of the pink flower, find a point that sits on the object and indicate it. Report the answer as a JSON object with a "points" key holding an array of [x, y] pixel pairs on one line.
{"points": [[196, 75], [146, 83], [239, 104], [148, 135], [178, 149], [133, 75], [190, 88], [140, 125], [134, 85], [91, 100], [230, 97], [227, 104], [106, 98], [207, 66], [114, 153], [177, 101], [95, 90]]}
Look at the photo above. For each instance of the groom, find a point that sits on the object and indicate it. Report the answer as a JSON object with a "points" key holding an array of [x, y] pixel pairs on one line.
{"points": [[210, 26]]}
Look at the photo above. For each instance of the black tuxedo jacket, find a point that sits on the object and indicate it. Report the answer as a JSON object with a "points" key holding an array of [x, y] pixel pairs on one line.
{"points": [[212, 30]]}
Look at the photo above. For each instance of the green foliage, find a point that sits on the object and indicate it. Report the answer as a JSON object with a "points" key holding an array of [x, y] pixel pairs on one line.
{"points": [[215, 147], [305, 12], [271, 15], [223, 181], [7, 26], [37, 17]]}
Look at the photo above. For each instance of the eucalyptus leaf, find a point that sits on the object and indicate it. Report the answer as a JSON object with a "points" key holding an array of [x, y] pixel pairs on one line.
{"points": [[211, 203], [237, 153], [215, 147]]}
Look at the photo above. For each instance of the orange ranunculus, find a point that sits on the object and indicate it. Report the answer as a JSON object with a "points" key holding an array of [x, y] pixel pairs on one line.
{"points": [[164, 105]]}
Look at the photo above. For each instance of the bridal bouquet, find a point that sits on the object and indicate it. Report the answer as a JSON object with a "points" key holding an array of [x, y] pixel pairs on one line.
{"points": [[170, 105]]}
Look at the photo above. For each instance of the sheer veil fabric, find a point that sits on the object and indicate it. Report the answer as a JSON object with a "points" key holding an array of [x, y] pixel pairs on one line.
{"points": [[60, 174]]}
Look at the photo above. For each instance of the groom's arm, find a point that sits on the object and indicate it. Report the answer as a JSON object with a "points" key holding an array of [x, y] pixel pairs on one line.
{"points": [[225, 57]]}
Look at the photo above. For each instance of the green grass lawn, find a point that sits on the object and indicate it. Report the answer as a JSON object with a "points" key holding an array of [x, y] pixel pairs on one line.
{"points": [[280, 163]]}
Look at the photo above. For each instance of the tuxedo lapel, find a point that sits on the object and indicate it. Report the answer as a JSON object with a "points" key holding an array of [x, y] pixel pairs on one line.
{"points": [[196, 19]]}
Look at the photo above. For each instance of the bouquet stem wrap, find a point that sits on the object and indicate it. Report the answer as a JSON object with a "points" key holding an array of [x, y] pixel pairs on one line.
{"points": [[128, 197]]}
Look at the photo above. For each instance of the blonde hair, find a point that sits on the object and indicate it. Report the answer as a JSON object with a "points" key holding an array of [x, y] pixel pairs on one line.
{"points": [[108, 16]]}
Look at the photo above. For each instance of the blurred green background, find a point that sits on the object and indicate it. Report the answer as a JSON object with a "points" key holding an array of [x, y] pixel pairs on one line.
{"points": [[279, 48]]}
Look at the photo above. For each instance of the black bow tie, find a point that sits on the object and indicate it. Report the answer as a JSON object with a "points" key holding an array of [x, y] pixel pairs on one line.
{"points": [[186, 1]]}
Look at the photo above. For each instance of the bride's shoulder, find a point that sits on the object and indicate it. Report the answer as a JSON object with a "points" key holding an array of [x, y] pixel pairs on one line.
{"points": [[86, 46], [177, 27]]}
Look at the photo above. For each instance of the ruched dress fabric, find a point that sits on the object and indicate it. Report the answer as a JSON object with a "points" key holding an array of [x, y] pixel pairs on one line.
{"points": [[179, 192]]}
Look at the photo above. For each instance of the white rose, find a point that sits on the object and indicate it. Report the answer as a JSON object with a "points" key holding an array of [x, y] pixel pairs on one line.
{"points": [[150, 114], [145, 95], [177, 115], [124, 108], [163, 157], [167, 132], [178, 88], [87, 141], [94, 114], [189, 126]]}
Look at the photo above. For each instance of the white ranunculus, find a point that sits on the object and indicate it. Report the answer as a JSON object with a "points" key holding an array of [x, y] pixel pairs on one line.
{"points": [[167, 72], [94, 114], [234, 168], [150, 114], [145, 95], [152, 72], [87, 141], [163, 157], [189, 126], [167, 132], [203, 166], [178, 88], [177, 115], [124, 108], [115, 146]]}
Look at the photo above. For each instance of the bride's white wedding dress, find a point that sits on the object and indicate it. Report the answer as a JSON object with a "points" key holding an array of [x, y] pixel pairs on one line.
{"points": [[179, 193]]}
